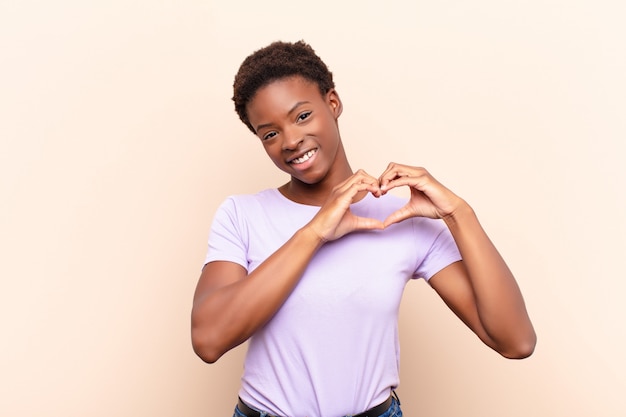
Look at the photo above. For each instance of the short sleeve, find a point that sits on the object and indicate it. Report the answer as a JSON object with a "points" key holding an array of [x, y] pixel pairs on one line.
{"points": [[442, 252], [227, 237]]}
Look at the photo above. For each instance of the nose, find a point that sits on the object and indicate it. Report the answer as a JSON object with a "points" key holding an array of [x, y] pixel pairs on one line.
{"points": [[292, 139]]}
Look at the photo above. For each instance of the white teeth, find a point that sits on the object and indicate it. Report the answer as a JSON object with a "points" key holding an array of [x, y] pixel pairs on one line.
{"points": [[304, 157]]}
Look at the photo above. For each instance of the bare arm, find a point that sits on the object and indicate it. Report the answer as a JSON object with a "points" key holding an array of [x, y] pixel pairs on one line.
{"points": [[481, 289], [230, 305]]}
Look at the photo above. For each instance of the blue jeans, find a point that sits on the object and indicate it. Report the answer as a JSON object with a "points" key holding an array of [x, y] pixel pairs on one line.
{"points": [[393, 411]]}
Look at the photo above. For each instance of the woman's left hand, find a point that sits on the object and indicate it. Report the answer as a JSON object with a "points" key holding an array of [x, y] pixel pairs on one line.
{"points": [[429, 198]]}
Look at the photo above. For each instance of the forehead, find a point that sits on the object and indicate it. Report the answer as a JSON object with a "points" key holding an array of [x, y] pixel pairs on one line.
{"points": [[283, 94]]}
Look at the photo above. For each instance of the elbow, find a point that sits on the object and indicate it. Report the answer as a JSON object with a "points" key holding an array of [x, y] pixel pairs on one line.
{"points": [[205, 350], [522, 349], [211, 340], [204, 342]]}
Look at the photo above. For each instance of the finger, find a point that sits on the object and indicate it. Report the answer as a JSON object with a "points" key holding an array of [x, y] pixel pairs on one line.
{"points": [[366, 223], [340, 200], [397, 216], [364, 177], [369, 186], [396, 171], [419, 182], [388, 174], [360, 181]]}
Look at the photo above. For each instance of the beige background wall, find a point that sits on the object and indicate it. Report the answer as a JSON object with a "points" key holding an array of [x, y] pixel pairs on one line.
{"points": [[118, 142]]}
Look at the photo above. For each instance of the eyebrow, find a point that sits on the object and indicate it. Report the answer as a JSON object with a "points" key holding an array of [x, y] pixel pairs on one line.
{"points": [[295, 106]]}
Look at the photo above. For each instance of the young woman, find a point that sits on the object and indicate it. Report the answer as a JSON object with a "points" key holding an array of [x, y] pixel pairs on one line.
{"points": [[312, 272]]}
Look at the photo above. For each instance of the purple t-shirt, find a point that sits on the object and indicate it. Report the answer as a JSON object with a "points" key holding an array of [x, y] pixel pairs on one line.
{"points": [[332, 349]]}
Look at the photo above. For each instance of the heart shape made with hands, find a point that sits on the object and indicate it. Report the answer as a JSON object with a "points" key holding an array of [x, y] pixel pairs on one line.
{"points": [[428, 197]]}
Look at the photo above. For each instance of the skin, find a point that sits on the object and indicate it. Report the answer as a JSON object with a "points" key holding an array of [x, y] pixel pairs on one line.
{"points": [[294, 120]]}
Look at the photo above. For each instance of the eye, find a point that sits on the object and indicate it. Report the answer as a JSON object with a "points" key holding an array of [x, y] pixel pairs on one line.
{"points": [[303, 116], [269, 135]]}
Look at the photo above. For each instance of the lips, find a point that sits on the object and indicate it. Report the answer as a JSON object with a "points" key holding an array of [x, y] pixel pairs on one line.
{"points": [[302, 159]]}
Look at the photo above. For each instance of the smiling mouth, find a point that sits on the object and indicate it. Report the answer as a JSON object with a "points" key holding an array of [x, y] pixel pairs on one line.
{"points": [[303, 158]]}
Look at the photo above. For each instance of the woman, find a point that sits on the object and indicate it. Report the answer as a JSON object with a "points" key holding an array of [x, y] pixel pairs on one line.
{"points": [[313, 272]]}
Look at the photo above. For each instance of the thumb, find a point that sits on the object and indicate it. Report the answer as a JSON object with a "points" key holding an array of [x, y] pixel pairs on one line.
{"points": [[398, 216], [366, 223]]}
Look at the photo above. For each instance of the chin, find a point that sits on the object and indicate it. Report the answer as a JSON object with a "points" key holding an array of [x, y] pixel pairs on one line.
{"points": [[306, 181]]}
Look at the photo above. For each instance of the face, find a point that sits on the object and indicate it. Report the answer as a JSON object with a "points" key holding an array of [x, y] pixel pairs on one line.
{"points": [[298, 128]]}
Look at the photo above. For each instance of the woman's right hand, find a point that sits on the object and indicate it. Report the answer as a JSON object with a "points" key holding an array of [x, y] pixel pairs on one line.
{"points": [[230, 304], [335, 219]]}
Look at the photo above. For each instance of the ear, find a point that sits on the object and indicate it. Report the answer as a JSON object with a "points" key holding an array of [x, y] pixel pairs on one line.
{"points": [[333, 100]]}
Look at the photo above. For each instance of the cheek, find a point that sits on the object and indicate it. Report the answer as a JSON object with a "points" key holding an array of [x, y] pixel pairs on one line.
{"points": [[274, 153], [330, 132]]}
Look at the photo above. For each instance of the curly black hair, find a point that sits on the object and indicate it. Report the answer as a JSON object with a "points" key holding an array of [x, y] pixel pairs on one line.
{"points": [[275, 61]]}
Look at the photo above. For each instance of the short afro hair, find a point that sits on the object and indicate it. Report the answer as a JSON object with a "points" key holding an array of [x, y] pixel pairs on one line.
{"points": [[273, 62]]}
